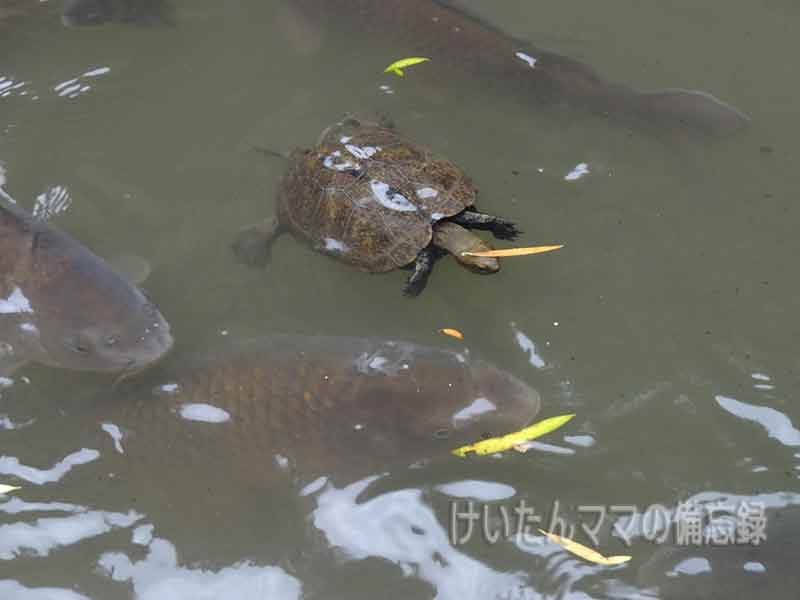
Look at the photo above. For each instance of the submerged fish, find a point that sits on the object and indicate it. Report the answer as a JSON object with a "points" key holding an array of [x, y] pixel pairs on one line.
{"points": [[458, 43], [311, 406], [63, 306], [768, 569], [97, 12]]}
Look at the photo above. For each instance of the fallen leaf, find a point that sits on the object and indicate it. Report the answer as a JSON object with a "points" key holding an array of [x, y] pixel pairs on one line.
{"points": [[507, 442], [398, 66], [514, 251], [452, 333], [585, 552], [4, 489]]}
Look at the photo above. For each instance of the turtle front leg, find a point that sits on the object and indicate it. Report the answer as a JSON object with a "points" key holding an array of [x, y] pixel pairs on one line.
{"points": [[500, 228], [253, 245], [422, 270]]}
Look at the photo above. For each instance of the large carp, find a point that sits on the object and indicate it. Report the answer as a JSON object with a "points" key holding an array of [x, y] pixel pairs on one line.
{"points": [[308, 406], [460, 44], [63, 306], [97, 12]]}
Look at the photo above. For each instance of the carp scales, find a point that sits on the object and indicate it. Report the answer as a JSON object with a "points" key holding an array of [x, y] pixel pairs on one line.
{"points": [[311, 406]]}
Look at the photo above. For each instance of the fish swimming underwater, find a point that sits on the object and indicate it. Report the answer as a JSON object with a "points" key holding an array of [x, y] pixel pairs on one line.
{"points": [[63, 306], [460, 44], [308, 406]]}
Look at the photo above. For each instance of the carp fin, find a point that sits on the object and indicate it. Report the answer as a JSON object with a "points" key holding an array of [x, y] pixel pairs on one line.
{"points": [[694, 109]]}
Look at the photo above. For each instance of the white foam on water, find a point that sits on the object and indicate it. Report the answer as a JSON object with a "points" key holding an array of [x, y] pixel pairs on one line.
{"points": [[205, 413], [10, 465]]}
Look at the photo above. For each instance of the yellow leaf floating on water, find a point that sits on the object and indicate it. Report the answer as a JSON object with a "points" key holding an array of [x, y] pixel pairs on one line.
{"points": [[507, 442], [397, 66], [452, 333], [4, 489], [514, 251], [584, 552]]}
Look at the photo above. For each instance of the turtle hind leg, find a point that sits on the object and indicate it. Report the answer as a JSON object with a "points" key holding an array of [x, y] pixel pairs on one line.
{"points": [[501, 228], [253, 245], [423, 267]]}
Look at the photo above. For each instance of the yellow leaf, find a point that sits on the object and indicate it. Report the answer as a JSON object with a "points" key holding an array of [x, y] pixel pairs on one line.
{"points": [[4, 489], [398, 65], [452, 333], [506, 442], [584, 552], [514, 251]]}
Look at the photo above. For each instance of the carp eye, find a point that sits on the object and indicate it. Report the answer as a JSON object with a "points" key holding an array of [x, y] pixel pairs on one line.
{"points": [[441, 434]]}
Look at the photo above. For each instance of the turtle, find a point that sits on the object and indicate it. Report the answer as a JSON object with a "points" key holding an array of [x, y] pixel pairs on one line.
{"points": [[378, 201]]}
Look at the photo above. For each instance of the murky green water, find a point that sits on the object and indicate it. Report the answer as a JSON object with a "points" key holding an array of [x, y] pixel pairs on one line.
{"points": [[668, 323]]}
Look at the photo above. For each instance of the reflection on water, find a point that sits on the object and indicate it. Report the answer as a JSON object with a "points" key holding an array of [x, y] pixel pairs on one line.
{"points": [[399, 527], [668, 322]]}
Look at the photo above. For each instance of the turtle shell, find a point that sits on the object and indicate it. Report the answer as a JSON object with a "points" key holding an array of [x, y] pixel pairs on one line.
{"points": [[368, 196]]}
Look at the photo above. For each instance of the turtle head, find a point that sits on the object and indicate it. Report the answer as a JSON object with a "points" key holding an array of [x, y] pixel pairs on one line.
{"points": [[457, 241]]}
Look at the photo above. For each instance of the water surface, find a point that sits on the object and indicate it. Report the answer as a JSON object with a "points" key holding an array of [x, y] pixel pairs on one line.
{"points": [[668, 323]]}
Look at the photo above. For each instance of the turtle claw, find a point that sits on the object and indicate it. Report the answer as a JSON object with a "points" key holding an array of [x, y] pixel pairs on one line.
{"points": [[505, 230], [422, 270]]}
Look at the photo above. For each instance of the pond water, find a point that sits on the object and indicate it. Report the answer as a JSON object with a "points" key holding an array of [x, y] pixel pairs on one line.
{"points": [[668, 323]]}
